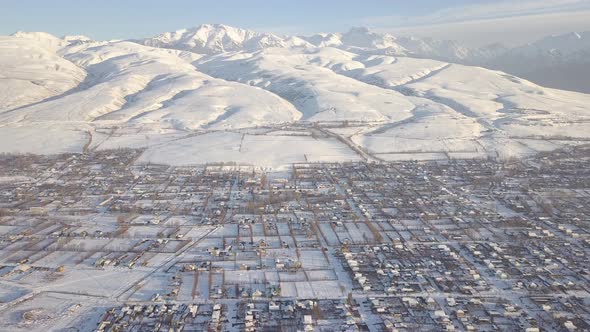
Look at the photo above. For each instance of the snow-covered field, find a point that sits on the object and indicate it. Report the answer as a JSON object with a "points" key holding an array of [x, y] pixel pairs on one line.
{"points": [[258, 150], [269, 102]]}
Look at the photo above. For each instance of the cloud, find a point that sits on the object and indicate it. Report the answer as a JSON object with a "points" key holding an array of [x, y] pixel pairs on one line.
{"points": [[511, 31], [495, 10], [511, 22]]}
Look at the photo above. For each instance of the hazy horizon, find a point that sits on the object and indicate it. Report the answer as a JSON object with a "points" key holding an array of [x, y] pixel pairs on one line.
{"points": [[474, 23]]}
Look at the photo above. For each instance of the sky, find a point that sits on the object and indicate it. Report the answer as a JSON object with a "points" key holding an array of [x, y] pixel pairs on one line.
{"points": [[476, 22]]}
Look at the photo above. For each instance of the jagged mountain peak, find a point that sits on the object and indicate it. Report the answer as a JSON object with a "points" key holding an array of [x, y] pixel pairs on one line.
{"points": [[214, 39]]}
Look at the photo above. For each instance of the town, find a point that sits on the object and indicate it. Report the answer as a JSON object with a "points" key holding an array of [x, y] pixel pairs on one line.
{"points": [[96, 241]]}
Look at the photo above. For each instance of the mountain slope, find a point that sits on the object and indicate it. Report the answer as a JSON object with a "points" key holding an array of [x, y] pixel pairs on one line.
{"points": [[319, 93], [133, 83], [271, 106], [555, 61], [31, 72]]}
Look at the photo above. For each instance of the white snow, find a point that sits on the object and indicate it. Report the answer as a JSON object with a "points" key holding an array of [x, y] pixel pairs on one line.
{"points": [[217, 38], [30, 72], [319, 93], [275, 152], [262, 100]]}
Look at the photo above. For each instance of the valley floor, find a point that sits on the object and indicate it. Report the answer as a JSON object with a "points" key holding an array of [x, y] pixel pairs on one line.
{"points": [[103, 241]]}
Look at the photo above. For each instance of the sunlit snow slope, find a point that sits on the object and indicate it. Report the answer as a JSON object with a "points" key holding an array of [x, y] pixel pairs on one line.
{"points": [[270, 102]]}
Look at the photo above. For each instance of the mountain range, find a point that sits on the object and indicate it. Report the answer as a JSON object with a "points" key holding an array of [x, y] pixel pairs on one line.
{"points": [[561, 61], [216, 93]]}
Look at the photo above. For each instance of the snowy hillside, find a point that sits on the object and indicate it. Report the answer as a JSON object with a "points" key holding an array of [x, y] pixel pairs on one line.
{"points": [[31, 71], [222, 94]]}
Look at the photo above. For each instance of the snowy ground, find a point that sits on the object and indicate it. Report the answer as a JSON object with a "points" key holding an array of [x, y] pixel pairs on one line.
{"points": [[271, 151]]}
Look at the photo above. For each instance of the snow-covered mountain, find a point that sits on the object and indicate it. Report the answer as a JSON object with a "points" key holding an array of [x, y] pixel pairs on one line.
{"points": [[217, 93], [557, 48], [561, 61], [555, 61], [217, 38], [364, 40], [31, 70]]}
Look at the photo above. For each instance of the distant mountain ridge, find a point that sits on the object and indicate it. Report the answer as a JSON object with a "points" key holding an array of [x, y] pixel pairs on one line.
{"points": [[539, 61], [218, 38], [221, 94]]}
